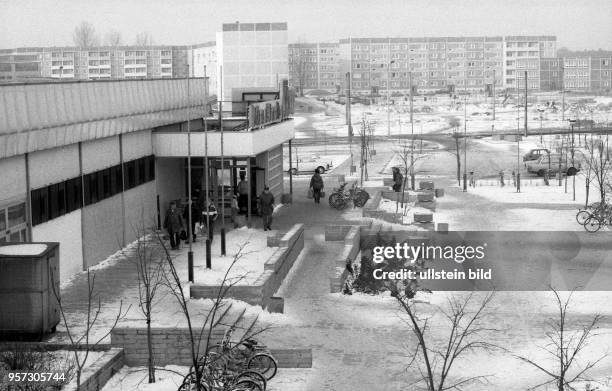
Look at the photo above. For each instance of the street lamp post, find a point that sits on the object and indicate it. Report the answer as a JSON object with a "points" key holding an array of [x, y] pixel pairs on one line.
{"points": [[190, 225], [465, 143]]}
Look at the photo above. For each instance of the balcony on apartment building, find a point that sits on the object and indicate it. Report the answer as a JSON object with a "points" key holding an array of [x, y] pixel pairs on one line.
{"points": [[248, 130]]}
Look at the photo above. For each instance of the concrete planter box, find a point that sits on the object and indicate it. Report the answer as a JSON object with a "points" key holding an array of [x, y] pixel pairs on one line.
{"points": [[426, 185], [439, 193], [276, 268], [425, 197], [423, 217], [431, 205], [442, 227]]}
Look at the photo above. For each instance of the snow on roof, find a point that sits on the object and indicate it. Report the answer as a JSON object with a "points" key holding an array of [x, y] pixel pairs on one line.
{"points": [[23, 249]]}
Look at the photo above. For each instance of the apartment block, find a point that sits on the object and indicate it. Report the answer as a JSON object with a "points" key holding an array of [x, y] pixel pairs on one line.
{"points": [[203, 62], [551, 74], [315, 66], [97, 63], [588, 72]]}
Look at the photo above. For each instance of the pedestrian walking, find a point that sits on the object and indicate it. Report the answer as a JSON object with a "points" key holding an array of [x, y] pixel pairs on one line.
{"points": [[195, 217], [398, 179], [317, 185], [173, 223], [243, 194], [501, 178], [266, 207], [472, 179], [209, 215]]}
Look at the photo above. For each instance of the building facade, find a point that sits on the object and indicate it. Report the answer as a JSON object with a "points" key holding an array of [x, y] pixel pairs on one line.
{"points": [[105, 62], [590, 72], [426, 64], [315, 66], [251, 55], [85, 163], [551, 74]]}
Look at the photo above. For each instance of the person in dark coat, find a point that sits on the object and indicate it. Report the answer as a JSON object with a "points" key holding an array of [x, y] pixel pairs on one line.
{"points": [[196, 214], [316, 184], [266, 207], [243, 194], [398, 180], [173, 223]]}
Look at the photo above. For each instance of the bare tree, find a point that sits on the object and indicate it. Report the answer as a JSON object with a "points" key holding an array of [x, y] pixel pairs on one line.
{"points": [[151, 267], [564, 347], [144, 39], [466, 334], [406, 153], [454, 123], [81, 343], [217, 316], [598, 164], [114, 38], [298, 65], [85, 36]]}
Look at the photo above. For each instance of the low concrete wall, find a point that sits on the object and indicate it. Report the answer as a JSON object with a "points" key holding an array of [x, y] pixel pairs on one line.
{"points": [[350, 252], [95, 376], [275, 270], [173, 346]]}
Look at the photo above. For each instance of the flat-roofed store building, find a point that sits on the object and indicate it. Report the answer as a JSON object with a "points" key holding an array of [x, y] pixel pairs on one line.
{"points": [[83, 163]]}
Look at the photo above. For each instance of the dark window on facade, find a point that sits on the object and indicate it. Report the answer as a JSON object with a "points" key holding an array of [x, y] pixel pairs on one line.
{"points": [[40, 206], [116, 179], [142, 171], [106, 183], [92, 188], [151, 168], [130, 168], [57, 200], [73, 194]]}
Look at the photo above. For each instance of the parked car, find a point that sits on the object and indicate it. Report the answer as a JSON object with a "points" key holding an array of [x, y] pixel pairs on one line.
{"points": [[535, 154], [551, 162], [309, 164]]}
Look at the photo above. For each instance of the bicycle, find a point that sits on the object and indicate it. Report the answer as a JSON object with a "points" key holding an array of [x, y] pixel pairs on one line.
{"points": [[241, 382], [245, 355], [341, 197], [595, 209]]}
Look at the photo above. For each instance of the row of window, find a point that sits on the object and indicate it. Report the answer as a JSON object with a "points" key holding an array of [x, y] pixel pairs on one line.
{"points": [[62, 198]]}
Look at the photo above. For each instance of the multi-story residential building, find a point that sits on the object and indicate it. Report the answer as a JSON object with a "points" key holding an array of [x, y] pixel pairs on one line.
{"points": [[315, 66], [203, 62], [251, 55], [429, 64], [551, 74], [104, 62], [588, 72]]}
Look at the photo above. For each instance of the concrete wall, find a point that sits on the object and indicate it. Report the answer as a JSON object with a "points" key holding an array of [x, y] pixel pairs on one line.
{"points": [[53, 166], [141, 209], [12, 177], [102, 229], [172, 346], [170, 180], [136, 145], [66, 230], [95, 376], [100, 154], [275, 270]]}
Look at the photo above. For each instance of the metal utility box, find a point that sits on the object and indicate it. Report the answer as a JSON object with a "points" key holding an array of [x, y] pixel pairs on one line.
{"points": [[29, 273]]}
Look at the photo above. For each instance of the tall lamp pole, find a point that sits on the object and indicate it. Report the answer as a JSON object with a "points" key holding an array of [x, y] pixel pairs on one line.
{"points": [[206, 173], [222, 164], [465, 143], [389, 88], [190, 226]]}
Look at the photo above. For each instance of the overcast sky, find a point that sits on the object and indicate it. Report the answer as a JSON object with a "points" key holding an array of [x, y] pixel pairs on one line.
{"points": [[578, 24]]}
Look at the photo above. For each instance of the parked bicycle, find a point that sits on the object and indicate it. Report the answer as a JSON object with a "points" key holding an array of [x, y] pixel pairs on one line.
{"points": [[596, 214], [248, 354], [342, 197]]}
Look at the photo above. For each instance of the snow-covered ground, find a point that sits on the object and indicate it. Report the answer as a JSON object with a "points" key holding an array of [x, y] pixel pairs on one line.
{"points": [[249, 246], [436, 115]]}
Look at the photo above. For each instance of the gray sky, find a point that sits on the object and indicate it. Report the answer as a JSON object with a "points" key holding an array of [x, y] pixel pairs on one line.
{"points": [[578, 24]]}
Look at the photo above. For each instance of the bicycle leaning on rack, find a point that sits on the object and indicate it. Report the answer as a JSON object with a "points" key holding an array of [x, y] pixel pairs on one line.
{"points": [[342, 197], [234, 366], [595, 216]]}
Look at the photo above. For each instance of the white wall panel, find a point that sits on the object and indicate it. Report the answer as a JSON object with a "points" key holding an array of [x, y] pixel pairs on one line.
{"points": [[137, 145], [12, 177], [53, 165], [99, 154], [67, 231]]}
